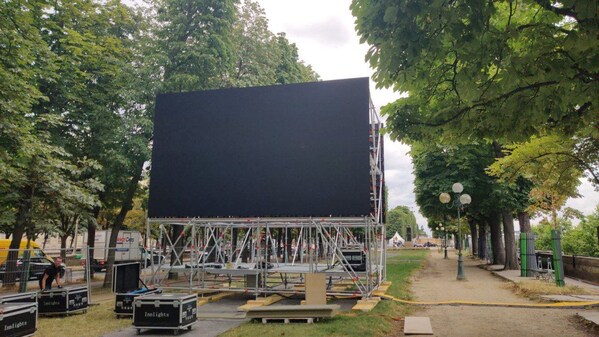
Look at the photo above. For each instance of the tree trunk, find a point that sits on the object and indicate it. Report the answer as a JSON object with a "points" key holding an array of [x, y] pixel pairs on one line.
{"points": [[496, 240], [511, 256], [320, 251], [91, 238], [474, 235], [63, 246], [126, 205], [177, 249], [524, 220], [75, 229], [279, 243], [21, 221], [234, 235], [288, 247], [212, 247], [250, 248], [243, 250], [482, 240]]}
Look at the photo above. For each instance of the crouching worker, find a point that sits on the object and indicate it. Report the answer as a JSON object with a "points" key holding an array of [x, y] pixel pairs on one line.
{"points": [[51, 273]]}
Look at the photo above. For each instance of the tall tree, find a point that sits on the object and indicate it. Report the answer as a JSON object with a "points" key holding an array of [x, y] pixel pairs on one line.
{"points": [[39, 171], [254, 55], [261, 57], [21, 46], [194, 38], [91, 42], [289, 68], [437, 167], [554, 179]]}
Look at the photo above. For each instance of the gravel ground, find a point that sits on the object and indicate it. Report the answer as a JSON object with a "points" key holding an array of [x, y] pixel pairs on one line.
{"points": [[437, 282]]}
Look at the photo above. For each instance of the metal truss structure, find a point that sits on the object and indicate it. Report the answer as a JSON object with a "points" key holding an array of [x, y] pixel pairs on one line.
{"points": [[271, 255]]}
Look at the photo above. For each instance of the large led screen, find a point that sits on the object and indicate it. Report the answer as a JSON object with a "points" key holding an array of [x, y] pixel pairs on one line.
{"points": [[294, 150]]}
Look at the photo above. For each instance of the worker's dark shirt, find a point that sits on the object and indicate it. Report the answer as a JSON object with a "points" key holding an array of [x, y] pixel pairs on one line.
{"points": [[51, 271]]}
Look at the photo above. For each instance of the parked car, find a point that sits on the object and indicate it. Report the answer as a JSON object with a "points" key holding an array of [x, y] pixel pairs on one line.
{"points": [[37, 265]]}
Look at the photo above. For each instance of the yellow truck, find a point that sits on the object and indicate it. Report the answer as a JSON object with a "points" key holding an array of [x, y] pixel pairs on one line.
{"points": [[38, 261], [34, 248]]}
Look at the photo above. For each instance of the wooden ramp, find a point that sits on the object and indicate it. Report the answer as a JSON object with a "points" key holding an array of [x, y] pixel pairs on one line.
{"points": [[289, 313], [213, 298], [260, 302]]}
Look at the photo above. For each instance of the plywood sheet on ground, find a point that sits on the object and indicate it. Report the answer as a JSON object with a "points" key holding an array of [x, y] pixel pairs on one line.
{"points": [[417, 326], [316, 289]]}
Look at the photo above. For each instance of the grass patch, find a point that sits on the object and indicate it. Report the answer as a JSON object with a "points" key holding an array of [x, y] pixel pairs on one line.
{"points": [[381, 321], [400, 267], [98, 320], [533, 289]]}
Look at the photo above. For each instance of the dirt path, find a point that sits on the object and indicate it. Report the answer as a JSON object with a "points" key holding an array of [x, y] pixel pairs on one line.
{"points": [[437, 281]]}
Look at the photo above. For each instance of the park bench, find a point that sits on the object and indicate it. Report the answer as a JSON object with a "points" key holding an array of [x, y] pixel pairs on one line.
{"points": [[542, 273]]}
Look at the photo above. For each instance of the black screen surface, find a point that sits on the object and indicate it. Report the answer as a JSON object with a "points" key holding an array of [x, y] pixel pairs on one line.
{"points": [[126, 277], [288, 150]]}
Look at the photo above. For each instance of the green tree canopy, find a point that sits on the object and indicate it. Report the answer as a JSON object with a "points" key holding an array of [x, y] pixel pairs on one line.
{"points": [[260, 56], [576, 240], [399, 219], [485, 69], [582, 239]]}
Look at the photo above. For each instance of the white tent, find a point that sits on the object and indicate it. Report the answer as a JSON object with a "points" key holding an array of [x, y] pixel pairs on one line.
{"points": [[396, 240]]}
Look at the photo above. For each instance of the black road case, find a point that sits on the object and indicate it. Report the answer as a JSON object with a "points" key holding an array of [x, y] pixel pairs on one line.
{"points": [[18, 319], [30, 297], [165, 311], [63, 300], [126, 283], [124, 301]]}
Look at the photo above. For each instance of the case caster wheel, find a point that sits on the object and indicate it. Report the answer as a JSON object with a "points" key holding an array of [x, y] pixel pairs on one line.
{"points": [[176, 332], [139, 331], [189, 327]]}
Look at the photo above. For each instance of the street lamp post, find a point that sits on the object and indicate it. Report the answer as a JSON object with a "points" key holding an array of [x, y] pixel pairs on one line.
{"points": [[459, 201], [444, 230]]}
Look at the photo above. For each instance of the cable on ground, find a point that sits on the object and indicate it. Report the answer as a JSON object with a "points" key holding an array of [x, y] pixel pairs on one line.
{"points": [[556, 305]]}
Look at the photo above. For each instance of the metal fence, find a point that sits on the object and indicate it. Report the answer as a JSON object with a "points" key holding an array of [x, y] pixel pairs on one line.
{"points": [[22, 269]]}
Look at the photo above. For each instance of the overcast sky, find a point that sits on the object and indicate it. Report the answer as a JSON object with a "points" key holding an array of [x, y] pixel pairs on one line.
{"points": [[324, 34]]}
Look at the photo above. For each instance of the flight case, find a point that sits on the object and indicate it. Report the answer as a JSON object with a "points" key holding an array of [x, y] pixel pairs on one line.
{"points": [[18, 319], [30, 297], [63, 300], [126, 283], [124, 301], [165, 311]]}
